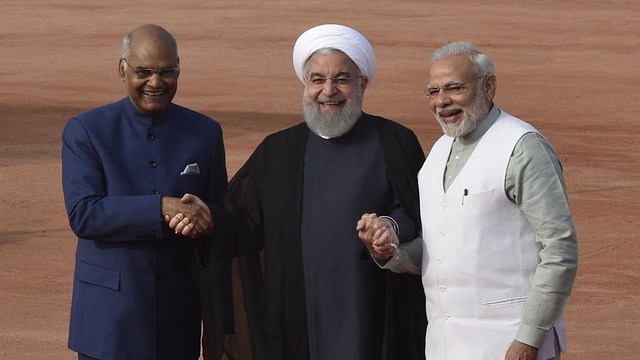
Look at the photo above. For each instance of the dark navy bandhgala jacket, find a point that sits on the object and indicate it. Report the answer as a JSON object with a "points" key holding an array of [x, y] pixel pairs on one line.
{"points": [[135, 290]]}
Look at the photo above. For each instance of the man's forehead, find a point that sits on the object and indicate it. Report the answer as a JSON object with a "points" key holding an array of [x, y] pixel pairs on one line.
{"points": [[452, 68], [153, 52], [336, 60]]}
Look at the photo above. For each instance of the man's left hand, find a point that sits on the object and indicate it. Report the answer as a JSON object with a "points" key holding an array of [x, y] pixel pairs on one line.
{"points": [[378, 236], [521, 351]]}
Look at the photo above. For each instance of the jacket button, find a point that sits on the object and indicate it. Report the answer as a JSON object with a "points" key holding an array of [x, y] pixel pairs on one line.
{"points": [[151, 137], [152, 164]]}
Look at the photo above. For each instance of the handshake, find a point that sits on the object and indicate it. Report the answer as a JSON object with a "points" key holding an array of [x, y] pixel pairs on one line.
{"points": [[188, 216]]}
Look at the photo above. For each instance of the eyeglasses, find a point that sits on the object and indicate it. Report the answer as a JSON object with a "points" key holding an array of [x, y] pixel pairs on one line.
{"points": [[339, 81], [452, 88], [144, 73]]}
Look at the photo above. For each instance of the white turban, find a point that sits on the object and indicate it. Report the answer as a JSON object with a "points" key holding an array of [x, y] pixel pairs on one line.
{"points": [[338, 37]]}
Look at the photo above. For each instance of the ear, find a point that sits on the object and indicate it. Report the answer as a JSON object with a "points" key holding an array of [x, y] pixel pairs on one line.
{"points": [[121, 69], [363, 82], [489, 87]]}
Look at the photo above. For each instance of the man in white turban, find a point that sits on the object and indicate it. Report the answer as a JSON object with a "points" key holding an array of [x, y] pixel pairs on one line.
{"points": [[339, 37], [298, 199]]}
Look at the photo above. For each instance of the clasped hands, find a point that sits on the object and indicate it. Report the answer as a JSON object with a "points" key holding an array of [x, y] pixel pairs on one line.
{"points": [[188, 216], [378, 236]]}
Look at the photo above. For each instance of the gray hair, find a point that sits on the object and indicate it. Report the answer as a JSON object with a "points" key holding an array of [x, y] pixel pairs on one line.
{"points": [[482, 65], [126, 42], [329, 51]]}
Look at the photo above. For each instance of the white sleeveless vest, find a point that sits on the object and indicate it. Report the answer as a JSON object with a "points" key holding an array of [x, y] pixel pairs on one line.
{"points": [[479, 252]]}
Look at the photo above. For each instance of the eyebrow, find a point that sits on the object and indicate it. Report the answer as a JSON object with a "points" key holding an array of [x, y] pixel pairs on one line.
{"points": [[176, 65], [450, 83], [144, 67], [341, 73]]}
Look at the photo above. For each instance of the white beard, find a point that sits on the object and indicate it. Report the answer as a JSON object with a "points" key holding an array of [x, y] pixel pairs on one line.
{"points": [[332, 124], [472, 116]]}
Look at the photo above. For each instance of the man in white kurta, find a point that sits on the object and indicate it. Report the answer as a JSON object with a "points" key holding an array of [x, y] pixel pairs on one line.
{"points": [[499, 249]]}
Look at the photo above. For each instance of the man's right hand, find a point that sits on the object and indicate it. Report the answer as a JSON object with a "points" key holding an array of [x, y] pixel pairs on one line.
{"points": [[378, 236], [188, 216]]}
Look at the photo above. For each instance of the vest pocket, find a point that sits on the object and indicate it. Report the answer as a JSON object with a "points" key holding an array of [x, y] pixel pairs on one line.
{"points": [[505, 302], [469, 198]]}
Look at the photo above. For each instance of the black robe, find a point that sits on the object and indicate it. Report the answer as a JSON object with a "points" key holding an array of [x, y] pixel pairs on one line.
{"points": [[265, 198]]}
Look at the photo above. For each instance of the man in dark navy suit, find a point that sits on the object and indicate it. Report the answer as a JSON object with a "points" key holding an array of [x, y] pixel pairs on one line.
{"points": [[125, 166]]}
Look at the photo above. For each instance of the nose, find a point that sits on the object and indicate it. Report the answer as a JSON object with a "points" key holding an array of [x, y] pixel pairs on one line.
{"points": [[329, 87], [442, 99], [155, 79]]}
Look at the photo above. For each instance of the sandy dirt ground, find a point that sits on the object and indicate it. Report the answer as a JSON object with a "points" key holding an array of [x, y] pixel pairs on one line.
{"points": [[568, 67]]}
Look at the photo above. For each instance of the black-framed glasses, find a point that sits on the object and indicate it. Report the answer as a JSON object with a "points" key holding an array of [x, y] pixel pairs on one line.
{"points": [[144, 73], [339, 81], [452, 88]]}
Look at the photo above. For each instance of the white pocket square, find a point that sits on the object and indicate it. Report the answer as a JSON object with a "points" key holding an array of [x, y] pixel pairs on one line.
{"points": [[191, 169]]}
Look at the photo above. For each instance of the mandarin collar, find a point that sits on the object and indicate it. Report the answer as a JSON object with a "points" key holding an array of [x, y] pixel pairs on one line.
{"points": [[138, 117]]}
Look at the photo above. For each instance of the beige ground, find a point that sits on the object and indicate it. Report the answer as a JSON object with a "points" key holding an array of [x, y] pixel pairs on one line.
{"points": [[568, 67]]}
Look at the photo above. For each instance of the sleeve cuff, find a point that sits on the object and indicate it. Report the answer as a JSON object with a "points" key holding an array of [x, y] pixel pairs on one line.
{"points": [[407, 259], [531, 335]]}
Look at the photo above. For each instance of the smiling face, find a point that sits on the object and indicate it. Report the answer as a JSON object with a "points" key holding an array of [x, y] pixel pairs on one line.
{"points": [[333, 93], [152, 49], [460, 112]]}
